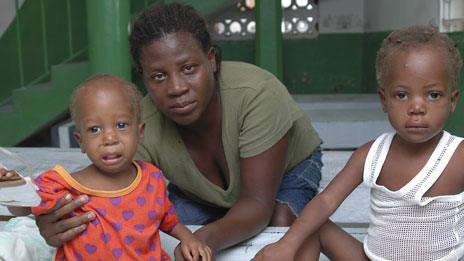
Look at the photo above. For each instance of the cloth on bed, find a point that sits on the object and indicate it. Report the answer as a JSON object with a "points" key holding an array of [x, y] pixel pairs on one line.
{"points": [[20, 240]]}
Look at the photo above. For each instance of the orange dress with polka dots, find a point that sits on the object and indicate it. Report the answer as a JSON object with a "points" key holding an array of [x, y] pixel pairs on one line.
{"points": [[127, 221]]}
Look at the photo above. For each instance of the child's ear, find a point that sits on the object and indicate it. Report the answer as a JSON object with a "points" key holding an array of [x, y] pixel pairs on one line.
{"points": [[381, 92], [77, 137], [141, 131], [454, 99]]}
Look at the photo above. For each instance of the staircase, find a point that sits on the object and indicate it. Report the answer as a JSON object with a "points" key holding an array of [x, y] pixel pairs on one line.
{"points": [[31, 108], [345, 121], [41, 55]]}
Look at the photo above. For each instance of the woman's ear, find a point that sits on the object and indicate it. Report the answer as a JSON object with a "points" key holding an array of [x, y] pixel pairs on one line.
{"points": [[212, 59]]}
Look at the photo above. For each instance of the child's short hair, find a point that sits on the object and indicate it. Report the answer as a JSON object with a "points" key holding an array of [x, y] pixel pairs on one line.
{"points": [[412, 37], [131, 90]]}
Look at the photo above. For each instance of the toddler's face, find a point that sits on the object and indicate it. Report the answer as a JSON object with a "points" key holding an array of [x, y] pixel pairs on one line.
{"points": [[417, 95], [108, 130]]}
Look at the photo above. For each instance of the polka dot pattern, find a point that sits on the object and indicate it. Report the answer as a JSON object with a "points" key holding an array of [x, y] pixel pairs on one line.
{"points": [[123, 224]]}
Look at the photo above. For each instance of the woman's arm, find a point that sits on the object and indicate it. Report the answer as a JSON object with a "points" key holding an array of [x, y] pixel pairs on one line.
{"points": [[260, 178]]}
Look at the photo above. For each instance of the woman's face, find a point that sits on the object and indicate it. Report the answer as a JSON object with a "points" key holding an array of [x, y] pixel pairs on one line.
{"points": [[179, 76]]}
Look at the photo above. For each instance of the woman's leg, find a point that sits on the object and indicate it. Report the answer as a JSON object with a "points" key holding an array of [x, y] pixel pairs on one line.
{"points": [[299, 185], [191, 212]]}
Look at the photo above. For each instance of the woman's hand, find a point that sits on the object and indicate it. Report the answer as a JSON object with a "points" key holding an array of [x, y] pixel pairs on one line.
{"points": [[56, 230], [275, 251]]}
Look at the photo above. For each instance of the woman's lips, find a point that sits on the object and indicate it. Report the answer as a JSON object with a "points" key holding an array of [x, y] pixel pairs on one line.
{"points": [[183, 107]]}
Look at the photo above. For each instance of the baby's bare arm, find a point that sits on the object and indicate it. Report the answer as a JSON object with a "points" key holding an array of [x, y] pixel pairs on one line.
{"points": [[318, 210], [190, 247], [323, 205], [451, 181], [19, 211]]}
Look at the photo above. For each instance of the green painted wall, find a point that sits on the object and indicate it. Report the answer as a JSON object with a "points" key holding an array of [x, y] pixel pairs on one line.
{"points": [[44, 33], [456, 122], [332, 63], [9, 65], [41, 36], [38, 38]]}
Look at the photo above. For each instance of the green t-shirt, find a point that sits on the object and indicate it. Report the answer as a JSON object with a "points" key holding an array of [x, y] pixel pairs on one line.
{"points": [[257, 111]]}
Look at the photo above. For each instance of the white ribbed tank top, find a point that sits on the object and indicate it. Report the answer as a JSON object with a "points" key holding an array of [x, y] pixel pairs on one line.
{"points": [[404, 225]]}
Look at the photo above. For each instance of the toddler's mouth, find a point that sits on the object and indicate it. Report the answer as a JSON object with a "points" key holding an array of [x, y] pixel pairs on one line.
{"points": [[112, 158]]}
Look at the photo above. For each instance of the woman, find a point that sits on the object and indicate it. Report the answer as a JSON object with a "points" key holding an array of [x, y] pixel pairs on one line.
{"points": [[238, 152]]}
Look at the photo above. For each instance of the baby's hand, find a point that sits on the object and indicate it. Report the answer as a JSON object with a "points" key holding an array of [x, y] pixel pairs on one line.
{"points": [[10, 178], [8, 175], [275, 251], [195, 250]]}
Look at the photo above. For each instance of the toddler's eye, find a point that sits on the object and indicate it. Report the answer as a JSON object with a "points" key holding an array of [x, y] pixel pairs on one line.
{"points": [[434, 95], [94, 129], [401, 96], [121, 125]]}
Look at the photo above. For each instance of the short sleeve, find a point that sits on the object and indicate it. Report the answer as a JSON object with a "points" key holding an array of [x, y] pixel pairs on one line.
{"points": [[170, 219], [266, 117], [50, 191]]}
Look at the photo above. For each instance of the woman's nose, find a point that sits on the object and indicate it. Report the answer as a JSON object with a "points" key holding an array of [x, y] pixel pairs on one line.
{"points": [[177, 86]]}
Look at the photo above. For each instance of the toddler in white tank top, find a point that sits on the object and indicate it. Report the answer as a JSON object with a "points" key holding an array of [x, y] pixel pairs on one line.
{"points": [[416, 174]]}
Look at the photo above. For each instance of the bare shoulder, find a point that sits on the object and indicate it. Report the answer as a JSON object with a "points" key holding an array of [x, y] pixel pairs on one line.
{"points": [[451, 181], [459, 155], [360, 154], [350, 176], [354, 168]]}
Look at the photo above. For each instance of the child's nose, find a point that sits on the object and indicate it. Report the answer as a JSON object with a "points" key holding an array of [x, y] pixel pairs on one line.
{"points": [[417, 106], [110, 137]]}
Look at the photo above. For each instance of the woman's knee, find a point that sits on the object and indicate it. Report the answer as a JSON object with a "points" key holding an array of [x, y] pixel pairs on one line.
{"points": [[282, 216]]}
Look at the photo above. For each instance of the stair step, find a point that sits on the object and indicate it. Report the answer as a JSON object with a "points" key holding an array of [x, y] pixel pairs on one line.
{"points": [[34, 99], [35, 106], [7, 108], [345, 121]]}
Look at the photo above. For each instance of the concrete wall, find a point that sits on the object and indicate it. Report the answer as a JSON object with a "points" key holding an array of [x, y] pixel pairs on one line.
{"points": [[359, 16], [7, 13], [341, 16], [387, 15]]}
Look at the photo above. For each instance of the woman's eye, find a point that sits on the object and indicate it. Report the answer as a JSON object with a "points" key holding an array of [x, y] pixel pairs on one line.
{"points": [[121, 125], [434, 95], [94, 129], [402, 96], [188, 68], [158, 76]]}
